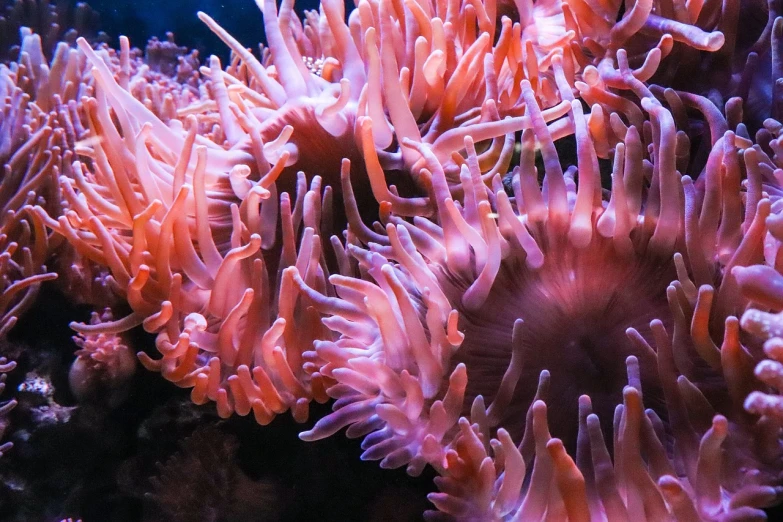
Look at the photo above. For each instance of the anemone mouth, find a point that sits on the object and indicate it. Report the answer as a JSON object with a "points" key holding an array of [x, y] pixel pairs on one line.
{"points": [[314, 149], [317, 151], [576, 310]]}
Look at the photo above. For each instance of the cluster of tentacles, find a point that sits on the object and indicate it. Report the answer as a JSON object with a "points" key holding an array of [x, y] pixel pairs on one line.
{"points": [[574, 270], [42, 133], [464, 328]]}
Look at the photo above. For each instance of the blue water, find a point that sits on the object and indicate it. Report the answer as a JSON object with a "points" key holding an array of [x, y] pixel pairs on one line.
{"points": [[142, 19]]}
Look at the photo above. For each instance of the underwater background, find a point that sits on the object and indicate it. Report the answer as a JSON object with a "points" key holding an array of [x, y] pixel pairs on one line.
{"points": [[139, 22]]}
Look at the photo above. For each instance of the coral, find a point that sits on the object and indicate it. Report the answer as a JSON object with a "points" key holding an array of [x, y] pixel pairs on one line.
{"points": [[170, 59], [104, 365]]}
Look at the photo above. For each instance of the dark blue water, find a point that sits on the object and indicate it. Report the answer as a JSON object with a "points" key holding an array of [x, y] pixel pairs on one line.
{"points": [[139, 20]]}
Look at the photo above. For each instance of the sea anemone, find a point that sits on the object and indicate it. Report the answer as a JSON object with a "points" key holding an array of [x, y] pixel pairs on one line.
{"points": [[463, 328], [33, 138], [42, 131], [762, 285], [422, 71], [433, 73], [189, 241]]}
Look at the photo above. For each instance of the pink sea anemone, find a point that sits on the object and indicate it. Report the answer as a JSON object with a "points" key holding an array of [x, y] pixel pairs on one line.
{"points": [[430, 72], [763, 287], [42, 128], [463, 328]]}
